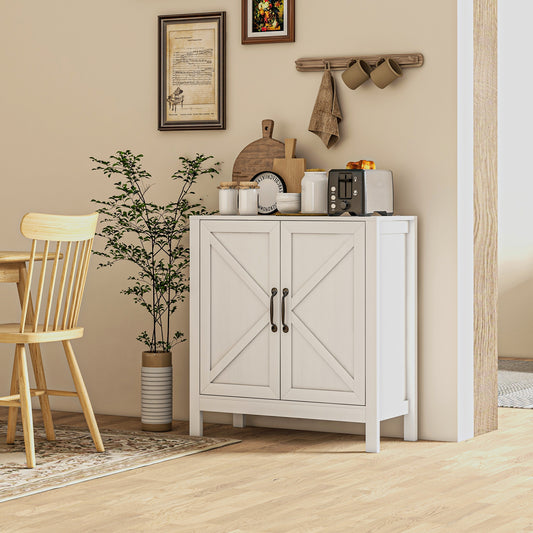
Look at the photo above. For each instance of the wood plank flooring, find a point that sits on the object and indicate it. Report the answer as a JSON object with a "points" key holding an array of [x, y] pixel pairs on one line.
{"points": [[294, 481]]}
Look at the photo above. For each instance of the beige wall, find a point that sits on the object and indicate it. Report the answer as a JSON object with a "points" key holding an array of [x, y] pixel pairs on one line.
{"points": [[80, 79]]}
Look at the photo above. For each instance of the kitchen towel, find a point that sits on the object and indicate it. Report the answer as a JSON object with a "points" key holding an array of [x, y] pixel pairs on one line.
{"points": [[327, 112]]}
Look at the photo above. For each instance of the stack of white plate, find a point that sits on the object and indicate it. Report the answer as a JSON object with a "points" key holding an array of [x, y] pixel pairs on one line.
{"points": [[288, 202], [156, 395]]}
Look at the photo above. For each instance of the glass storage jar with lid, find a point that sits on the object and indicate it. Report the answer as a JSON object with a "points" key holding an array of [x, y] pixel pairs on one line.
{"points": [[227, 198], [248, 198], [315, 192]]}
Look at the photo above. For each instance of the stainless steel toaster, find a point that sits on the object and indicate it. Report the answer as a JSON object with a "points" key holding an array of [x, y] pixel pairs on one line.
{"points": [[360, 192]]}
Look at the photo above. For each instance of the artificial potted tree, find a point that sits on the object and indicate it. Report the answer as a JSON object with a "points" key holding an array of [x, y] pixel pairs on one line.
{"points": [[152, 237]]}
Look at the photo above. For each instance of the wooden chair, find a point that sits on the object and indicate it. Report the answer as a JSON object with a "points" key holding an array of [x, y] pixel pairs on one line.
{"points": [[59, 295]]}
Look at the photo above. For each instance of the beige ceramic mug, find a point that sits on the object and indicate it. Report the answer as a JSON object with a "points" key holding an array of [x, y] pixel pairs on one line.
{"points": [[387, 70], [356, 74]]}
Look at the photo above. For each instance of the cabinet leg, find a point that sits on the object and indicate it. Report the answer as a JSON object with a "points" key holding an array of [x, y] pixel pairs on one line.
{"points": [[196, 423], [410, 427], [372, 436], [239, 421]]}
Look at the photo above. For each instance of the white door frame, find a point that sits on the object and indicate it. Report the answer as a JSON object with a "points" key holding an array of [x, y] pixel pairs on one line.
{"points": [[465, 219]]}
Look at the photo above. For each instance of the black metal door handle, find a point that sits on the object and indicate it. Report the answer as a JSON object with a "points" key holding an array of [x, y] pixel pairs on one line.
{"points": [[285, 294], [273, 326]]}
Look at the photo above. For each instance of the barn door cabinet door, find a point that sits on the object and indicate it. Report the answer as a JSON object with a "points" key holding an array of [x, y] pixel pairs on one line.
{"points": [[323, 345], [240, 354]]}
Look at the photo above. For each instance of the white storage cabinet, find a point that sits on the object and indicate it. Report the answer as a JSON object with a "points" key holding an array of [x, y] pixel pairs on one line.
{"points": [[304, 317]]}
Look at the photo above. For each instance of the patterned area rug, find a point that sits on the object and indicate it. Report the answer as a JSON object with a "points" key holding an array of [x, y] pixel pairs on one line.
{"points": [[515, 384], [72, 458]]}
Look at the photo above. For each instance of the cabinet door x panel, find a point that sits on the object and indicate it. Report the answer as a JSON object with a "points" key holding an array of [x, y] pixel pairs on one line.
{"points": [[240, 355], [323, 351]]}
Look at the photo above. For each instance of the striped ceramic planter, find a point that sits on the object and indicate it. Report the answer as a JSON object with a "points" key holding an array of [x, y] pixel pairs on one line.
{"points": [[156, 391]]}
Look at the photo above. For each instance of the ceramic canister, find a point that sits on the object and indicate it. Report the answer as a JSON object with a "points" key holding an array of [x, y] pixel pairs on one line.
{"points": [[315, 192], [248, 198], [228, 198]]}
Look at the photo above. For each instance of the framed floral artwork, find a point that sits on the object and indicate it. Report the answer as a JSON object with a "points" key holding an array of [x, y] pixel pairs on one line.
{"points": [[267, 21]]}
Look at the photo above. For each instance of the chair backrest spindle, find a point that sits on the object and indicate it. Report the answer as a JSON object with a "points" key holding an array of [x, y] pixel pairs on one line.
{"points": [[41, 286], [50, 299], [61, 290], [84, 280], [26, 301], [68, 298], [80, 281], [79, 275]]}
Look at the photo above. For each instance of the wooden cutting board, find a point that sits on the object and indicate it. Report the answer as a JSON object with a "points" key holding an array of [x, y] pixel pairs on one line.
{"points": [[259, 155], [291, 169]]}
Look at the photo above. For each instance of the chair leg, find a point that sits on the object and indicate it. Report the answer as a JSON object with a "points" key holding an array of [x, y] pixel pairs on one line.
{"points": [[13, 411], [83, 396], [40, 381], [36, 359], [25, 405]]}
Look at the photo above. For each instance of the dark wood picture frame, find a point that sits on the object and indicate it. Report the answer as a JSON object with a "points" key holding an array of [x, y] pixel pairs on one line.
{"points": [[205, 72], [251, 37]]}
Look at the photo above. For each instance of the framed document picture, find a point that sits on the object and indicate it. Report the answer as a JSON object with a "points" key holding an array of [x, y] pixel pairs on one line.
{"points": [[192, 71], [267, 21]]}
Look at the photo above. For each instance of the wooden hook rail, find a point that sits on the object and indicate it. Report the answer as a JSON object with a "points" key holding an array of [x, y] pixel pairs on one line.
{"points": [[316, 64]]}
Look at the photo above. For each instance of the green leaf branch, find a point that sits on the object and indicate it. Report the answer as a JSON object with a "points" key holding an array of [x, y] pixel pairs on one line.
{"points": [[151, 236]]}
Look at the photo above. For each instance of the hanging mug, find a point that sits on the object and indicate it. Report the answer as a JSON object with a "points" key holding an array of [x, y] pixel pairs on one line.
{"points": [[356, 74], [387, 70]]}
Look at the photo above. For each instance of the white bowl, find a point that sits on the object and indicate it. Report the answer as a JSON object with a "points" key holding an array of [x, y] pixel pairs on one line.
{"points": [[288, 197], [288, 207], [288, 202]]}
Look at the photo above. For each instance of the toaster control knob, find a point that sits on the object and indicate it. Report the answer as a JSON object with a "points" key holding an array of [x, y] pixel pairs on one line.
{"points": [[355, 193], [333, 189], [333, 206], [333, 197], [343, 205]]}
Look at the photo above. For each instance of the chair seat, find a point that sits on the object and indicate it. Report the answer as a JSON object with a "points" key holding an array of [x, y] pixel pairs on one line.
{"points": [[10, 334]]}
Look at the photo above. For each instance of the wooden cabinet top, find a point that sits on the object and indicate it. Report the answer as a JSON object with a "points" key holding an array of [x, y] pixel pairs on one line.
{"points": [[293, 218]]}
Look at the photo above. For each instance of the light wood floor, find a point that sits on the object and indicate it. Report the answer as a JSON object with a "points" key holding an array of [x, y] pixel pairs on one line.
{"points": [[293, 481]]}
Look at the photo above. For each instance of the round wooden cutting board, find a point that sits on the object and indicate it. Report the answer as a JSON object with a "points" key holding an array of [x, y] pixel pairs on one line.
{"points": [[259, 155]]}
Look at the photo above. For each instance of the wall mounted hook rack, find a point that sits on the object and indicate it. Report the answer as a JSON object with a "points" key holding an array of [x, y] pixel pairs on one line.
{"points": [[316, 64]]}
